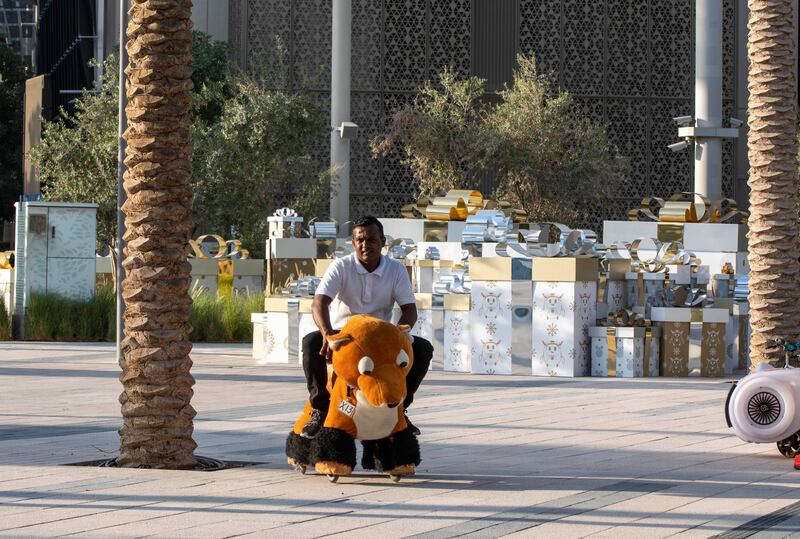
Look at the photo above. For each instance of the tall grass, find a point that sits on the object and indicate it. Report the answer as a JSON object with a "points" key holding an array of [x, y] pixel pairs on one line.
{"points": [[54, 318], [50, 317], [224, 319], [5, 322]]}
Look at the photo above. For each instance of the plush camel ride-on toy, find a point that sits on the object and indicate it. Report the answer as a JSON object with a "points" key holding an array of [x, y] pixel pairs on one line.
{"points": [[367, 384]]}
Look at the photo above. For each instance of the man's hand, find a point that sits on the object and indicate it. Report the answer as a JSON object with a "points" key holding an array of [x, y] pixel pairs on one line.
{"points": [[326, 351]]}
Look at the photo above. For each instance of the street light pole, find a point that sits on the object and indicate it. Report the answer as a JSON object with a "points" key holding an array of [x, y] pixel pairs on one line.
{"points": [[121, 196], [340, 107]]}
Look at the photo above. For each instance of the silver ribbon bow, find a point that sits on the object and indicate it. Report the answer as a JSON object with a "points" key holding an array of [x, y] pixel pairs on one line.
{"points": [[305, 287], [488, 226], [285, 212], [400, 248]]}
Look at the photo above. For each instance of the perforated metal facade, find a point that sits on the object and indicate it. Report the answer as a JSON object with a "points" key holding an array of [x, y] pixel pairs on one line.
{"points": [[630, 63]]}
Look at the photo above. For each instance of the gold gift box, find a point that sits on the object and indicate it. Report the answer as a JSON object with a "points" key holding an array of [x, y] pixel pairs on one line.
{"points": [[675, 323], [457, 302], [563, 270], [282, 271], [280, 304], [616, 268], [423, 300], [500, 269]]}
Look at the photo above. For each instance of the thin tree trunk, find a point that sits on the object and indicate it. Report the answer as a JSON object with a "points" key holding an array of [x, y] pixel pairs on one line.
{"points": [[156, 410], [772, 151]]}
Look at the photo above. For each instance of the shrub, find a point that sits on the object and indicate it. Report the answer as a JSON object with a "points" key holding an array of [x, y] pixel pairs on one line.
{"points": [[55, 318], [5, 322]]}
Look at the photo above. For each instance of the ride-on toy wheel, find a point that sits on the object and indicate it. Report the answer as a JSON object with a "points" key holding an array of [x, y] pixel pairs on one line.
{"points": [[333, 478], [790, 447]]}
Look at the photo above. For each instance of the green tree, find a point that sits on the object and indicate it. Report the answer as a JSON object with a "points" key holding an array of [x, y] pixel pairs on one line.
{"points": [[76, 160], [441, 134], [12, 89], [258, 149], [250, 146], [550, 160]]}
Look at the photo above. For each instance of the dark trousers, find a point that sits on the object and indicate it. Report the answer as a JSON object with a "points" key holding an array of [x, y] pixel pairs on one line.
{"points": [[317, 372]]}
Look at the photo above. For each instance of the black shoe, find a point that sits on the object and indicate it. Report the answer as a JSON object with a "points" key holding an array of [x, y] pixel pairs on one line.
{"points": [[414, 430], [314, 424]]}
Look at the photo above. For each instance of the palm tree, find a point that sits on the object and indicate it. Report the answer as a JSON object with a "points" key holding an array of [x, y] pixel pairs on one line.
{"points": [[157, 414], [772, 152]]}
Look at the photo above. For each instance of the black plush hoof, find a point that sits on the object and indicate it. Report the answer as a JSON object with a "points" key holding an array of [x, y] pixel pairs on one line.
{"points": [[298, 450], [395, 478], [334, 445]]}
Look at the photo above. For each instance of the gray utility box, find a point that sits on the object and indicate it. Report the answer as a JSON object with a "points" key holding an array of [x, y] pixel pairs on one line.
{"points": [[55, 253]]}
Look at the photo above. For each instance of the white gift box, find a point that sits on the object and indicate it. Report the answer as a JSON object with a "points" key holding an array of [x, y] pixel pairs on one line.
{"points": [[428, 272], [456, 333], [616, 299], [448, 250], [645, 291], [737, 339], [716, 261], [499, 314], [625, 352], [420, 230], [292, 248], [284, 226], [712, 237], [564, 308], [282, 329], [275, 342]]}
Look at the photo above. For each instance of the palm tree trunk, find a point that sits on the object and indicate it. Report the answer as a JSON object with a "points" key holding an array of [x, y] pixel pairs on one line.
{"points": [[772, 152], [156, 410]]}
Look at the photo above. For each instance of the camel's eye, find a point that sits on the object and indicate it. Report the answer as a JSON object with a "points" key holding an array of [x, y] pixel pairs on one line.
{"points": [[366, 365], [402, 359]]}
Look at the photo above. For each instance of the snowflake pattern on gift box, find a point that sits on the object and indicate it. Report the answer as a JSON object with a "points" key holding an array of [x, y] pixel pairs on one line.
{"points": [[552, 330], [491, 328], [269, 342], [491, 284]]}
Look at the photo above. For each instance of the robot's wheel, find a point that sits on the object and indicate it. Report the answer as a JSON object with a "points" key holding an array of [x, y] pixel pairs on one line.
{"points": [[301, 469], [333, 478], [790, 447], [396, 478]]}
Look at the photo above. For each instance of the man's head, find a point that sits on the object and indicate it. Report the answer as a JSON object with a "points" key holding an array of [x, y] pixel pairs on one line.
{"points": [[368, 240]]}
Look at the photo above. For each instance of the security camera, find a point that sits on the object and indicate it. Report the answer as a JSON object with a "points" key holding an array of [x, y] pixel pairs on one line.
{"points": [[683, 121], [679, 146], [347, 130], [735, 122]]}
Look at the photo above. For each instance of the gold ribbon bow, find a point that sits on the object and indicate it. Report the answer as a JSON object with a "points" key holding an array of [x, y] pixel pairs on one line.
{"points": [[681, 208], [7, 260], [456, 205], [200, 249]]}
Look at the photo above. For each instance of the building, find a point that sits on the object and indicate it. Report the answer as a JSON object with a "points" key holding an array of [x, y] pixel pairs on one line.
{"points": [[630, 63], [18, 27]]}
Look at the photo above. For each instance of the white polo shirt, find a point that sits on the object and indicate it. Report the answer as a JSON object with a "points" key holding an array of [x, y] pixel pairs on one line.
{"points": [[356, 291]]}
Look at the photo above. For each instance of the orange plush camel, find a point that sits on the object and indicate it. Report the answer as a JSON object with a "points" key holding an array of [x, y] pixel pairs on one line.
{"points": [[367, 384]]}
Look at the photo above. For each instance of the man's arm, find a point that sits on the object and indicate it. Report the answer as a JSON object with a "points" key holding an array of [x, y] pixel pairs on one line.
{"points": [[409, 314], [322, 318]]}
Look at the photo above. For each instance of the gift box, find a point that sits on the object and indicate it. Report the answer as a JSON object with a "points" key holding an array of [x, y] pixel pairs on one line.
{"points": [[718, 261], [285, 223], [446, 250], [710, 237], [427, 272], [457, 333], [646, 290], [282, 271], [291, 248], [500, 314], [625, 352], [282, 327], [612, 288], [205, 274], [564, 308], [737, 339], [693, 340], [249, 276], [420, 230]]}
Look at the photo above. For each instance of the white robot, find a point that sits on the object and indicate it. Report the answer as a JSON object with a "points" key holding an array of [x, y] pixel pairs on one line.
{"points": [[764, 407]]}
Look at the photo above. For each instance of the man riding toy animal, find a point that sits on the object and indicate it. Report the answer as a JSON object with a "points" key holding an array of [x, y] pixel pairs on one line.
{"points": [[764, 406], [367, 385]]}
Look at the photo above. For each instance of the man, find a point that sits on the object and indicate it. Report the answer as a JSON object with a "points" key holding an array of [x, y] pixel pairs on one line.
{"points": [[365, 282]]}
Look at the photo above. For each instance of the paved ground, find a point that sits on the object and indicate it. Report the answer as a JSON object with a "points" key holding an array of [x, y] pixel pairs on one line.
{"points": [[526, 457]]}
